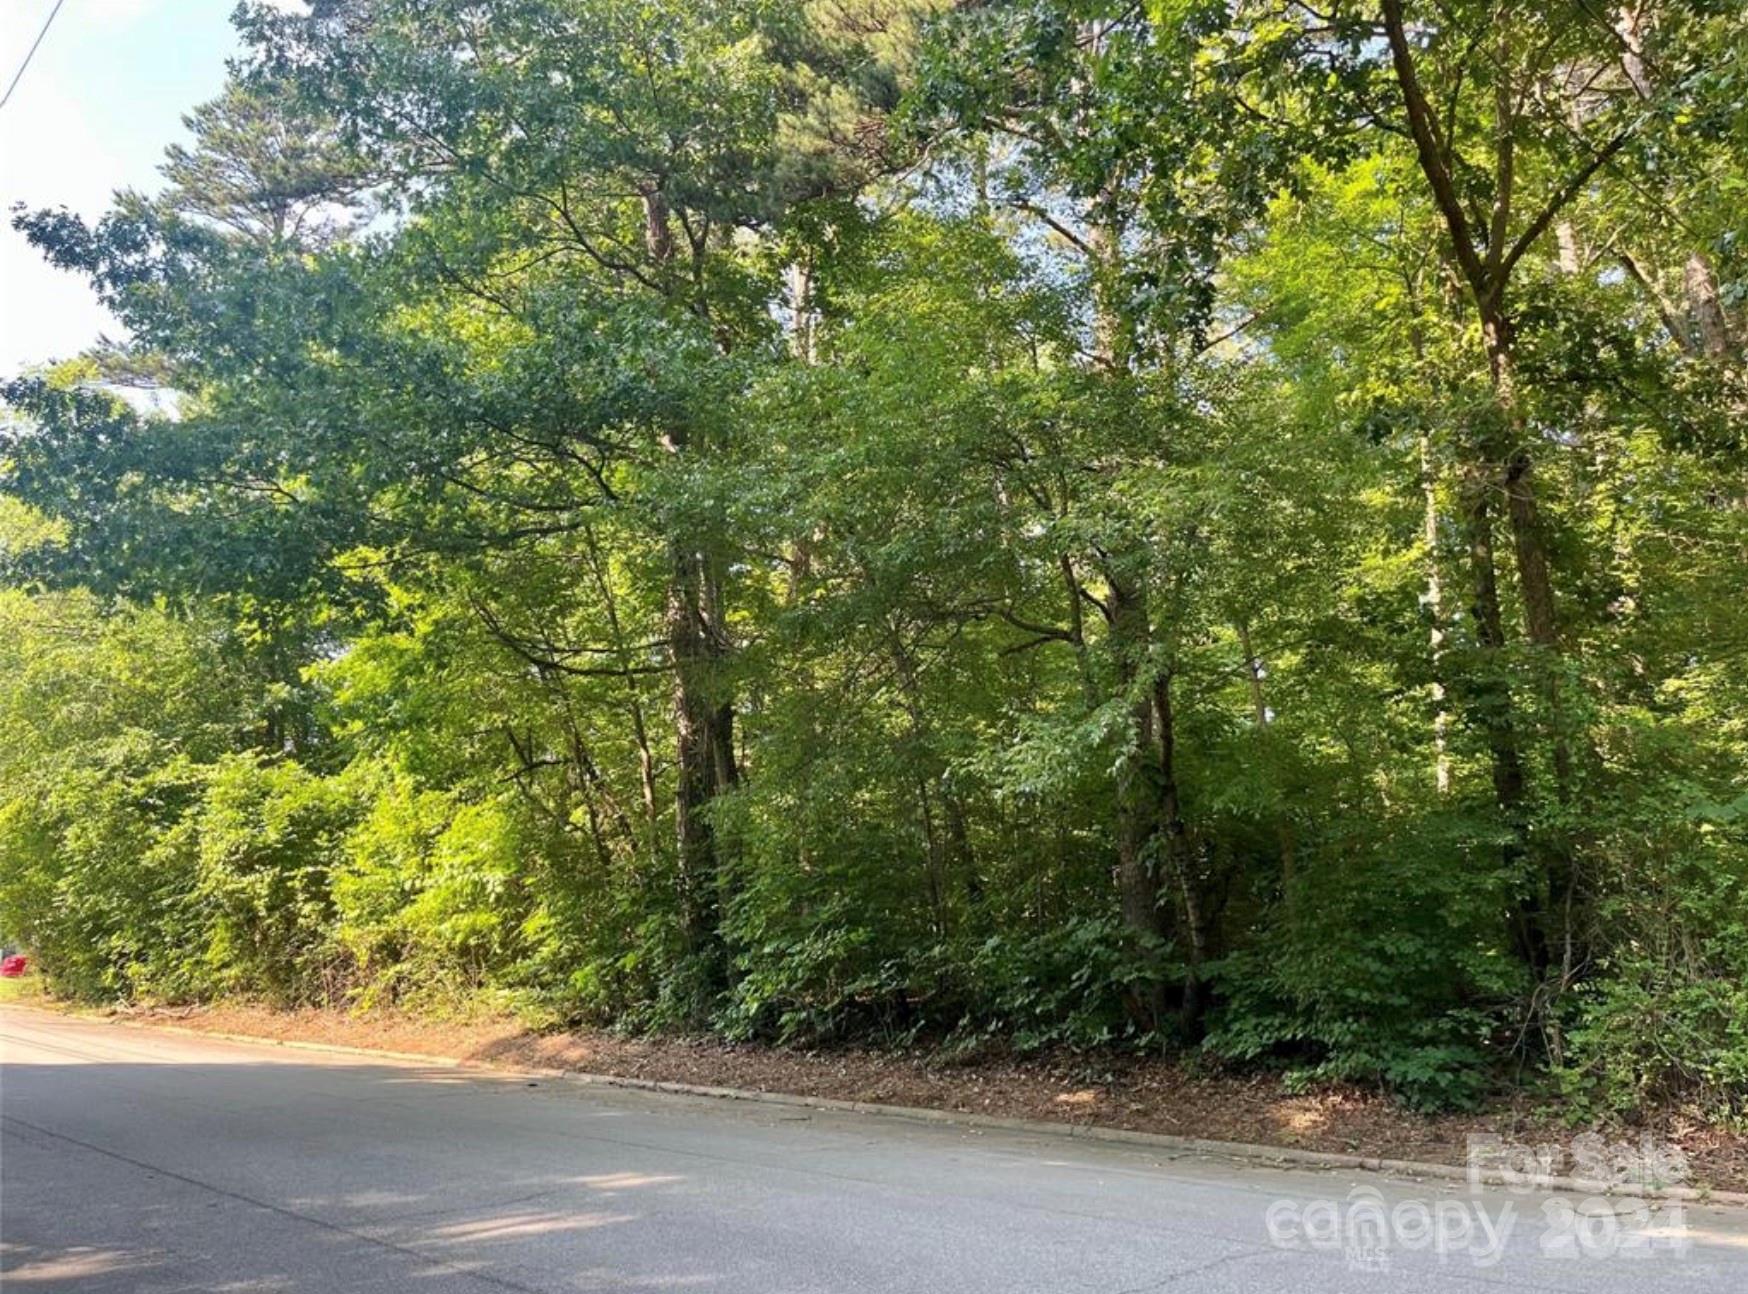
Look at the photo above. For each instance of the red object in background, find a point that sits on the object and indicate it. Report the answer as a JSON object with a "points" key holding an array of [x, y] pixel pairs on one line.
{"points": [[14, 966]]}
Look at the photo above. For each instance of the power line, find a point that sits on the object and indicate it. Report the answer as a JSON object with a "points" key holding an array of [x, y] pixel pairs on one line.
{"points": [[18, 75]]}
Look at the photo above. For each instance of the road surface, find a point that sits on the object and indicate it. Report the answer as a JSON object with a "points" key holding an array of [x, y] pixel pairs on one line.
{"points": [[143, 1161]]}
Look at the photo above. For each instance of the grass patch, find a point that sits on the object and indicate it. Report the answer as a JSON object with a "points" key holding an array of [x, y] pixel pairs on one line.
{"points": [[27, 988]]}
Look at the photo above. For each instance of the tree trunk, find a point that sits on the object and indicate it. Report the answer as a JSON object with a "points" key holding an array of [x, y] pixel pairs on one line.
{"points": [[1140, 790], [703, 708], [1529, 547], [1711, 326], [960, 857], [948, 842], [1435, 609], [1494, 695], [1494, 713], [646, 775], [704, 736], [1180, 862], [1264, 717]]}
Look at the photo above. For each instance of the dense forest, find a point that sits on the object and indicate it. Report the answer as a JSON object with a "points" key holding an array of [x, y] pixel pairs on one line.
{"points": [[1216, 527]]}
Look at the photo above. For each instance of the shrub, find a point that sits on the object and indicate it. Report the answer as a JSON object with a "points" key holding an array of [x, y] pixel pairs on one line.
{"points": [[1665, 1016], [1385, 971], [270, 837]]}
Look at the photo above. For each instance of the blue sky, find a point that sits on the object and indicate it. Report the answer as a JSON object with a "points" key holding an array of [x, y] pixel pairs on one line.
{"points": [[104, 95]]}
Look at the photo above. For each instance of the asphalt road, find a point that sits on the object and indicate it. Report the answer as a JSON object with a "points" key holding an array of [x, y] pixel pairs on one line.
{"points": [[140, 1161]]}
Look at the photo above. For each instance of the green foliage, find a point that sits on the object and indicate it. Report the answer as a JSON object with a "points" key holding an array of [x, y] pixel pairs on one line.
{"points": [[106, 726], [1047, 525], [431, 895], [1383, 969], [99, 878], [270, 836], [1065, 987], [1666, 1017]]}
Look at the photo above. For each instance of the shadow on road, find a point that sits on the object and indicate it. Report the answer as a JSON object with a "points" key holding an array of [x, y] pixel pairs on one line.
{"points": [[176, 1176]]}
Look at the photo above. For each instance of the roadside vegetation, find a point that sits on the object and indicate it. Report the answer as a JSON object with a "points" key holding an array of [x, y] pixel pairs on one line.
{"points": [[1204, 529], [26, 990]]}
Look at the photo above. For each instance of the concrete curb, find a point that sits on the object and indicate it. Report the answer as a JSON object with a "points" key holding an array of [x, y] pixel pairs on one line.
{"points": [[1273, 1156]]}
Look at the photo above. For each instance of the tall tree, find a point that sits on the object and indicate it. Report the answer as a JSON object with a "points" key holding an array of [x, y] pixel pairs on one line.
{"points": [[1101, 125]]}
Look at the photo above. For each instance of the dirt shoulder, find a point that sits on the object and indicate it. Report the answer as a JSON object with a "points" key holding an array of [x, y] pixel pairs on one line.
{"points": [[1112, 1091]]}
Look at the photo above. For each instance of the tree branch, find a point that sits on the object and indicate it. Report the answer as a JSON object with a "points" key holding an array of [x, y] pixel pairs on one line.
{"points": [[1423, 126], [1561, 198]]}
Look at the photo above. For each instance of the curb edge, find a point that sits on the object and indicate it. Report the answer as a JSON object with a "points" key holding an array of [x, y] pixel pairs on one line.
{"points": [[1273, 1156]]}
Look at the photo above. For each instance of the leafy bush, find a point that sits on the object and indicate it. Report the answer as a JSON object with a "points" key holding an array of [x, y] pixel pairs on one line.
{"points": [[1665, 1018], [270, 838], [99, 874], [1383, 972], [817, 962], [1063, 987], [387, 863]]}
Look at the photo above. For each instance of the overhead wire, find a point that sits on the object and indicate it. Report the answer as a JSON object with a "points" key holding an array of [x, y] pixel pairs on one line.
{"points": [[31, 53]]}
